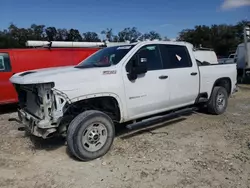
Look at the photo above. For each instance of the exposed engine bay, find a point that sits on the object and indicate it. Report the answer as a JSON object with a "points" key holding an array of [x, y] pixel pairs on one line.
{"points": [[46, 111], [40, 107]]}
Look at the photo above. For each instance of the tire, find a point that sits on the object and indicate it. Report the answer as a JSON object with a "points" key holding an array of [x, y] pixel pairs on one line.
{"points": [[218, 101], [90, 135]]}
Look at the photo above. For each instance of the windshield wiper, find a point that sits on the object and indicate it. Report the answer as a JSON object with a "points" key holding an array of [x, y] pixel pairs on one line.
{"points": [[83, 66], [94, 64], [101, 64]]}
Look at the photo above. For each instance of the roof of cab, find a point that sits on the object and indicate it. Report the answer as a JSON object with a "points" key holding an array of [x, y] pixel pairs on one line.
{"points": [[183, 43]]}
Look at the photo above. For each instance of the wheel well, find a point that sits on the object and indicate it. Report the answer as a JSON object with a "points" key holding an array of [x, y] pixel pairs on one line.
{"points": [[108, 105], [224, 82]]}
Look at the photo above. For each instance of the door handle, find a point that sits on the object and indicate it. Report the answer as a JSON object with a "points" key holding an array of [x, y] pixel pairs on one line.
{"points": [[163, 77], [193, 73]]}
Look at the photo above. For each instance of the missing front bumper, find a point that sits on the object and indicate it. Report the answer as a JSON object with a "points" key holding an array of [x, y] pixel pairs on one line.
{"points": [[33, 125]]}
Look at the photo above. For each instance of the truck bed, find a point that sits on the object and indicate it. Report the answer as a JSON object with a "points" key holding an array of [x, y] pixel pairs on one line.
{"points": [[209, 74]]}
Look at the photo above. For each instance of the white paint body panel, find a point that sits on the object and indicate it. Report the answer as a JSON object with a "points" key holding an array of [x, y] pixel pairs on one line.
{"points": [[78, 84], [209, 74], [241, 56], [184, 87], [145, 96]]}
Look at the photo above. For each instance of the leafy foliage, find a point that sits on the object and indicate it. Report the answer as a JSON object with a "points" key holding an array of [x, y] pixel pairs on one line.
{"points": [[15, 37], [129, 34], [152, 35], [108, 33], [90, 37], [222, 38]]}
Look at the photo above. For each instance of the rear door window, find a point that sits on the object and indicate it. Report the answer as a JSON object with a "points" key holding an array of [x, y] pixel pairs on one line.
{"points": [[175, 56], [5, 65]]}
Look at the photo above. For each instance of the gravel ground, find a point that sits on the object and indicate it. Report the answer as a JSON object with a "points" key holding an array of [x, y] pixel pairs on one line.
{"points": [[198, 150]]}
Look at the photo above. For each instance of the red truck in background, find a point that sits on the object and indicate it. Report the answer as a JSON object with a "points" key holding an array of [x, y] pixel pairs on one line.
{"points": [[18, 60]]}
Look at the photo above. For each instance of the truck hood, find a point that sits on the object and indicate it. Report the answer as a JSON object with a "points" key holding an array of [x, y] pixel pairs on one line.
{"points": [[64, 78]]}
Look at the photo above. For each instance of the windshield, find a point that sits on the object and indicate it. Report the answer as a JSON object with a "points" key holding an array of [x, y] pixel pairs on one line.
{"points": [[106, 57]]}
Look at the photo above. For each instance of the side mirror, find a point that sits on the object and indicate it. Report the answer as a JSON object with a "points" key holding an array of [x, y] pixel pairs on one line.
{"points": [[141, 67], [137, 66]]}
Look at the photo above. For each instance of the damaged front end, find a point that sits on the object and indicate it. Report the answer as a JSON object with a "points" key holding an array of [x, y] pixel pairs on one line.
{"points": [[41, 108]]}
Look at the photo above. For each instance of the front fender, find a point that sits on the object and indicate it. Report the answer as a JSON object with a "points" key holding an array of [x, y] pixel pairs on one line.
{"points": [[105, 94]]}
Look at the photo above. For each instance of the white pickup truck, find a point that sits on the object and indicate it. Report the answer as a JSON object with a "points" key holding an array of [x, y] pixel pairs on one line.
{"points": [[126, 83]]}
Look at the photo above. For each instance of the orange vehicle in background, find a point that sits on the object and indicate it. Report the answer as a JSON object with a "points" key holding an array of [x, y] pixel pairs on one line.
{"points": [[17, 60]]}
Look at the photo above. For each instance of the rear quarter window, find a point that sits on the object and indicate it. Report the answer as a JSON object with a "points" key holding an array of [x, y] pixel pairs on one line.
{"points": [[5, 65]]}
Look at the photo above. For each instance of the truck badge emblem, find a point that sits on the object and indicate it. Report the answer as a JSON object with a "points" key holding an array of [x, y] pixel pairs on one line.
{"points": [[109, 72]]}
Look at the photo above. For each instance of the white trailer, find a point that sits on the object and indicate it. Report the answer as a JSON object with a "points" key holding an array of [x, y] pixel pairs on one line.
{"points": [[206, 55], [242, 57]]}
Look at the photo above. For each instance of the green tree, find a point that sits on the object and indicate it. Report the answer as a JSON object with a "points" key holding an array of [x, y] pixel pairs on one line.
{"points": [[222, 38], [128, 34], [90, 37], [108, 34], [36, 31], [152, 35], [51, 33], [62, 34], [74, 35]]}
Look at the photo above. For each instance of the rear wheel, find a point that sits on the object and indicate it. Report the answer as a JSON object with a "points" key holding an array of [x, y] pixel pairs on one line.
{"points": [[218, 101], [90, 135]]}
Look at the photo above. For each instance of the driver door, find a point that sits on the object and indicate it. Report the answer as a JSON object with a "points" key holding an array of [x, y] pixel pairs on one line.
{"points": [[149, 93]]}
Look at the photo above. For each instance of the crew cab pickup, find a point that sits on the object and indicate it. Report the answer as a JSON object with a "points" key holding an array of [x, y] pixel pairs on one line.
{"points": [[118, 84]]}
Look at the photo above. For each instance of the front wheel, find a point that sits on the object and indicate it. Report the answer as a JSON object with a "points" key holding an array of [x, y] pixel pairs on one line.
{"points": [[218, 101], [90, 135]]}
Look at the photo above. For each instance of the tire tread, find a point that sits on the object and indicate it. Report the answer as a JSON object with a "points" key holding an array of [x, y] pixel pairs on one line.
{"points": [[211, 106], [71, 132]]}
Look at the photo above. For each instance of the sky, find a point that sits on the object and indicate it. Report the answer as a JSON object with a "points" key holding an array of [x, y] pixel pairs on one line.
{"points": [[168, 17]]}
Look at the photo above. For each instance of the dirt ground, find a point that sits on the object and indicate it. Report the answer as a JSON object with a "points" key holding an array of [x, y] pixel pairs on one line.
{"points": [[199, 150]]}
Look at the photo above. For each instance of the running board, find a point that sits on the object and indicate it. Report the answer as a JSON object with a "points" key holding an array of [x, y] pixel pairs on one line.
{"points": [[157, 119]]}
